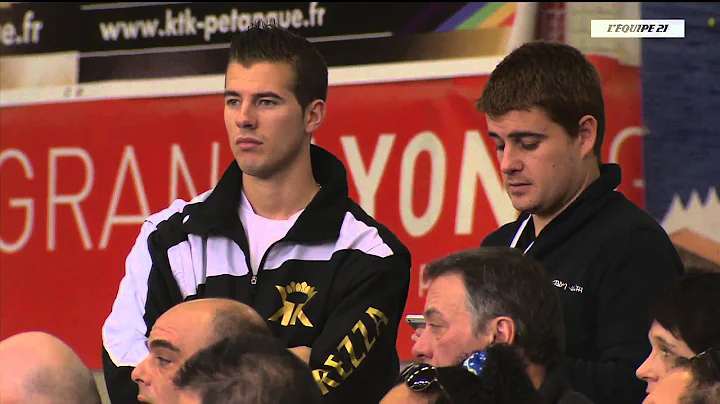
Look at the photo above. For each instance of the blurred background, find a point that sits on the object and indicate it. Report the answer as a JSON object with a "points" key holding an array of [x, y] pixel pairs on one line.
{"points": [[110, 111]]}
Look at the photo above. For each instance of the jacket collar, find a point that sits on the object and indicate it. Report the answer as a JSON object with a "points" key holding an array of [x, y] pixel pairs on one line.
{"points": [[554, 386], [581, 211], [321, 220]]}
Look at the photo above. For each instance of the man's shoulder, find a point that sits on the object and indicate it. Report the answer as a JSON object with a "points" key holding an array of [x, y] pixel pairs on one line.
{"points": [[625, 232], [628, 214], [177, 206], [624, 221], [358, 224], [503, 235]]}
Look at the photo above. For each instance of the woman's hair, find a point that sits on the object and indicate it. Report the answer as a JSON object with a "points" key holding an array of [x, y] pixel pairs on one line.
{"points": [[704, 387], [690, 309], [501, 379]]}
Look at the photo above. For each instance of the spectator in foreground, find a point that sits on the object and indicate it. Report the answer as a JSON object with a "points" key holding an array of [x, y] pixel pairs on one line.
{"points": [[38, 368], [685, 322], [693, 381], [182, 331], [495, 295], [246, 370]]}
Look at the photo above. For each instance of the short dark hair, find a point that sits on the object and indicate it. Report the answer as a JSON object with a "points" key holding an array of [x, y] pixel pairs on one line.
{"points": [[251, 369], [690, 308], [501, 281], [553, 76], [268, 42], [704, 387]]}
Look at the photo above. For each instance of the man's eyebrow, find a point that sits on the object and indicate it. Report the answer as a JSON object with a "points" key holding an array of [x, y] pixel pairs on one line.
{"points": [[268, 94], [519, 135], [263, 94], [432, 312], [161, 343], [522, 134]]}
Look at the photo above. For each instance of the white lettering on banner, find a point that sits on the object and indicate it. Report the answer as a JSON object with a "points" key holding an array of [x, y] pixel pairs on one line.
{"points": [[477, 164], [177, 159], [27, 203], [418, 226], [10, 35], [367, 173], [422, 285], [72, 200], [214, 164], [111, 219], [128, 166], [367, 181]]}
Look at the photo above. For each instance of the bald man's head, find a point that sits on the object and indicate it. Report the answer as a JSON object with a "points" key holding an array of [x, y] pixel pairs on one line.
{"points": [[36, 367], [232, 319], [182, 331]]}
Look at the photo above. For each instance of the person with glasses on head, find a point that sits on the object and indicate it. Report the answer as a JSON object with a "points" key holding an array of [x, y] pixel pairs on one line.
{"points": [[495, 295], [692, 381], [685, 322], [495, 375]]}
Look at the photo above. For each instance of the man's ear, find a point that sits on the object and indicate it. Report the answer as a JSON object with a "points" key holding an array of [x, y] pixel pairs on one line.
{"points": [[587, 135], [503, 330], [314, 115]]}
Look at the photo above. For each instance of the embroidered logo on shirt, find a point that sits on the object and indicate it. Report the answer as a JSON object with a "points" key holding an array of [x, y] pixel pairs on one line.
{"points": [[564, 286], [292, 310]]}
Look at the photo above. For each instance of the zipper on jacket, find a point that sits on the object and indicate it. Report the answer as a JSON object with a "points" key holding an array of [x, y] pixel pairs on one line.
{"points": [[254, 277], [253, 284]]}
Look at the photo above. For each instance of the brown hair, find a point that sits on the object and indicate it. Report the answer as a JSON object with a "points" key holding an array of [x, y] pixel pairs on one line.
{"points": [[268, 42], [555, 77]]}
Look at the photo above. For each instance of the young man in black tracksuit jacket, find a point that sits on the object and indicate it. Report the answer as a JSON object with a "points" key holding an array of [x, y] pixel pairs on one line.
{"points": [[278, 232], [607, 257]]}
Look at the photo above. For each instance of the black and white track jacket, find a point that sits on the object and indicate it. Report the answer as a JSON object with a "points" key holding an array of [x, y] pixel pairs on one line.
{"points": [[337, 282]]}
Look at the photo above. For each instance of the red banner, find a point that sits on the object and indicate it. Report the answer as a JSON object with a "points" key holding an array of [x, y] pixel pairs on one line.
{"points": [[77, 179]]}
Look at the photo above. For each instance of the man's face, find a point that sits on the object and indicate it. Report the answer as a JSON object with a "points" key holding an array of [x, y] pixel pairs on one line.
{"points": [[448, 336], [266, 126], [540, 163], [666, 349], [177, 335], [670, 388]]}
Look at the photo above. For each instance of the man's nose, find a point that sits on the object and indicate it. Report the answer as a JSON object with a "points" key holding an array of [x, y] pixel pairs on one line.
{"points": [[139, 374], [509, 161], [245, 117], [421, 349]]}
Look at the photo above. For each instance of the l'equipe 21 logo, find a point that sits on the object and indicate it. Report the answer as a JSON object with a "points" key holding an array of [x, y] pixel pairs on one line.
{"points": [[637, 29]]}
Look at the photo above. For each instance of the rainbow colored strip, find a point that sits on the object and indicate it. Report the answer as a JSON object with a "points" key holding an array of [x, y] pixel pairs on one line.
{"points": [[481, 15]]}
